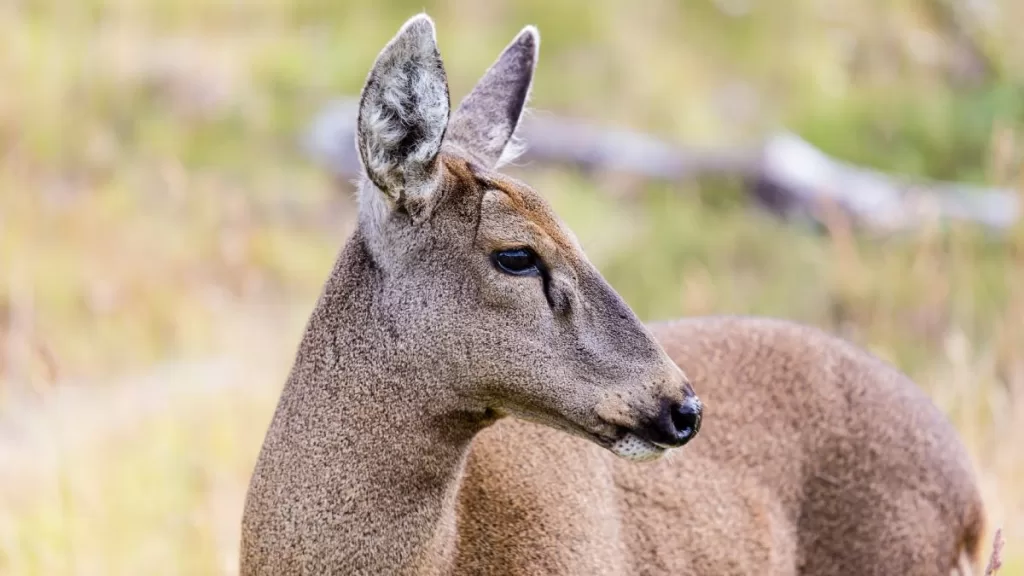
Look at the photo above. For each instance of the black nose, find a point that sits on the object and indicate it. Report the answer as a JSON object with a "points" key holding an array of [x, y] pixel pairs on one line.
{"points": [[678, 422]]}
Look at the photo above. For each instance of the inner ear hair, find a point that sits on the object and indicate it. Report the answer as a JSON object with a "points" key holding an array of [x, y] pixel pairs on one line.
{"points": [[403, 115]]}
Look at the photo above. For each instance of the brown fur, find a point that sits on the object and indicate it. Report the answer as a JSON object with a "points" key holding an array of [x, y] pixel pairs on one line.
{"points": [[445, 418]]}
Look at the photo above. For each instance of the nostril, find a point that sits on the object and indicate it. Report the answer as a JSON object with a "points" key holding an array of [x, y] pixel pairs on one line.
{"points": [[677, 423], [686, 418]]}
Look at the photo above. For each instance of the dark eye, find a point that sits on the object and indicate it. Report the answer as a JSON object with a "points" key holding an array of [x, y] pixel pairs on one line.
{"points": [[518, 261]]}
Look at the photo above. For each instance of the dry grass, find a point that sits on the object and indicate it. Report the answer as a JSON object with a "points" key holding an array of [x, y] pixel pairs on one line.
{"points": [[995, 560], [156, 220], [147, 474]]}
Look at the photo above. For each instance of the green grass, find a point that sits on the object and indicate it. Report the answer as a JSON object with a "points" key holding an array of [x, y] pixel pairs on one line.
{"points": [[152, 198]]}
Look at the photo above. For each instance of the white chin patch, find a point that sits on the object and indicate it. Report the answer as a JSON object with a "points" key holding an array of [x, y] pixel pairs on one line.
{"points": [[635, 448]]}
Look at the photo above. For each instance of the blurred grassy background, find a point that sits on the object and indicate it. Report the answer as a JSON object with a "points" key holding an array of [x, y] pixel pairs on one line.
{"points": [[162, 239]]}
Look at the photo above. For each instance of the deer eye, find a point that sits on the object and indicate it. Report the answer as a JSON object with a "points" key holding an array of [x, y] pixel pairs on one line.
{"points": [[518, 261]]}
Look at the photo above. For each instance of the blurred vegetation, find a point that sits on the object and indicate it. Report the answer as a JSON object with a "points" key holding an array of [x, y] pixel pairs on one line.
{"points": [[153, 198]]}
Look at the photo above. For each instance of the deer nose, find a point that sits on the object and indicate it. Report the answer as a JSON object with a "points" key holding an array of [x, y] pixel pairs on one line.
{"points": [[678, 422]]}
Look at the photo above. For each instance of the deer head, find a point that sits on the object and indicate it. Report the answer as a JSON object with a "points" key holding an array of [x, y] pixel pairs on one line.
{"points": [[482, 283]]}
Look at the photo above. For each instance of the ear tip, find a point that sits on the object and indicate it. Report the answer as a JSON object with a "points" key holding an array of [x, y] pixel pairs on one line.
{"points": [[422, 19], [531, 30], [419, 25], [529, 36]]}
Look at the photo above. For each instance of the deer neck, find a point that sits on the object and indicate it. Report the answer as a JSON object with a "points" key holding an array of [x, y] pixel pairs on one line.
{"points": [[376, 458]]}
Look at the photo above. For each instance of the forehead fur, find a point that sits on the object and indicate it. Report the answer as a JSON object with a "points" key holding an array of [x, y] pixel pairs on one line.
{"points": [[527, 204]]}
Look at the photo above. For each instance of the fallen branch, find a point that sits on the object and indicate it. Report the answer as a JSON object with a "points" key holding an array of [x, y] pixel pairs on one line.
{"points": [[786, 175]]}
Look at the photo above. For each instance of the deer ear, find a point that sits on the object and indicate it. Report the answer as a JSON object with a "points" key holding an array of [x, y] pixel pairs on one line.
{"points": [[403, 114], [487, 118]]}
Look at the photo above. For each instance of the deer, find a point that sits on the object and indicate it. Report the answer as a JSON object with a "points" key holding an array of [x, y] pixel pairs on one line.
{"points": [[471, 396]]}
